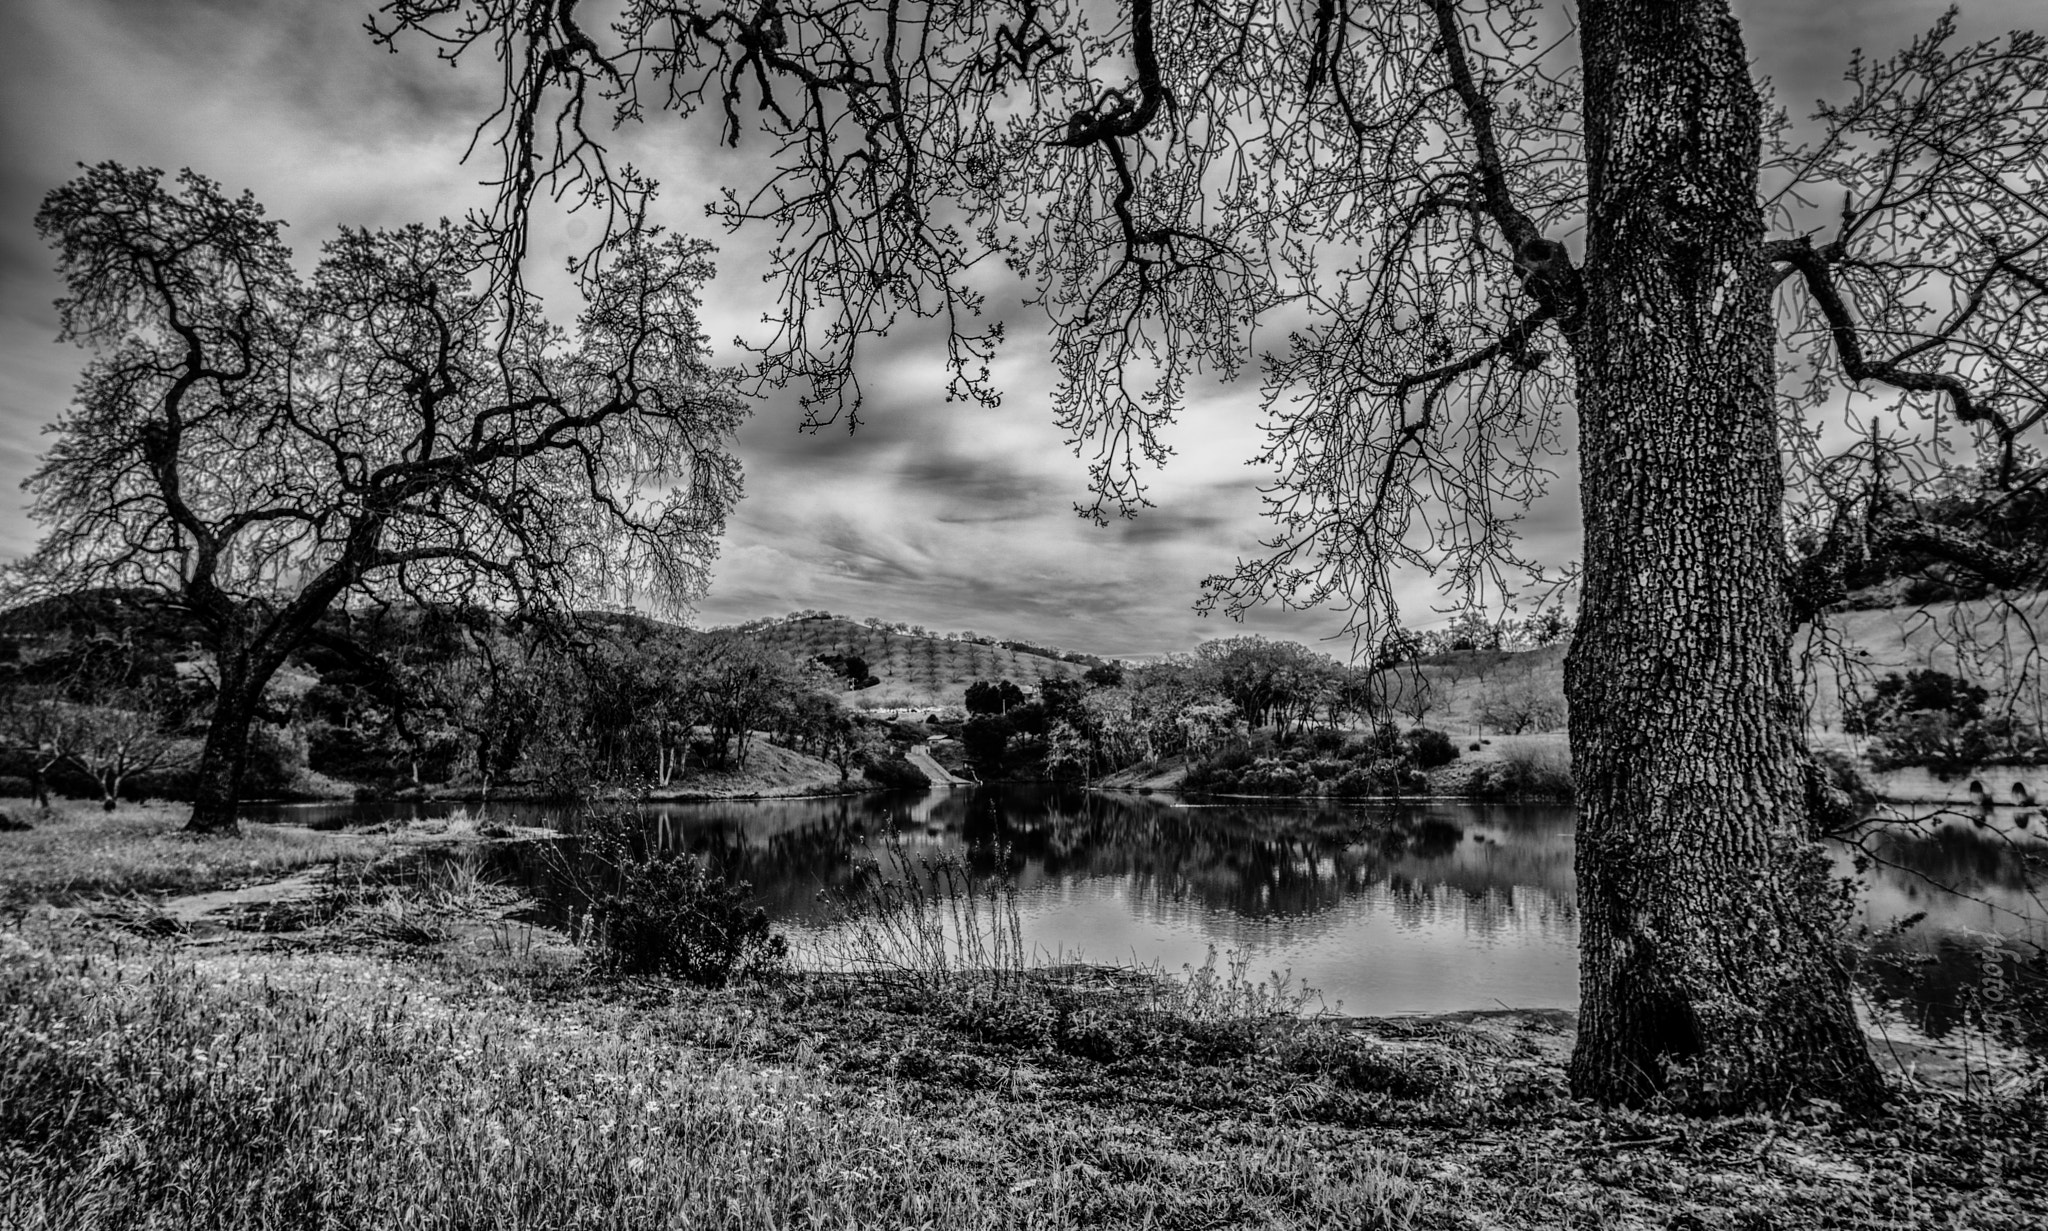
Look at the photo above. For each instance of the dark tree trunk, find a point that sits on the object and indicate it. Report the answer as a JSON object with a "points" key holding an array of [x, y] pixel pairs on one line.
{"points": [[1709, 962], [218, 780]]}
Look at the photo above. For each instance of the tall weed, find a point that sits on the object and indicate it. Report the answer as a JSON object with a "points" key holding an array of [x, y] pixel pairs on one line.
{"points": [[930, 921]]}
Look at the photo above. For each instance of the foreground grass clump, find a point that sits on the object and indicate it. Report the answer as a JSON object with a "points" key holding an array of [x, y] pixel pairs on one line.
{"points": [[468, 1085], [163, 1093], [75, 852]]}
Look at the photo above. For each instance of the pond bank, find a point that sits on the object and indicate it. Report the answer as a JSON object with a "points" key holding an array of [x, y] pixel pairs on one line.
{"points": [[472, 1078], [424, 1053]]}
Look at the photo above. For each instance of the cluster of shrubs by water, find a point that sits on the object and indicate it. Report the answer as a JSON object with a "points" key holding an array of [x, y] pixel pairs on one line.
{"points": [[1385, 761]]}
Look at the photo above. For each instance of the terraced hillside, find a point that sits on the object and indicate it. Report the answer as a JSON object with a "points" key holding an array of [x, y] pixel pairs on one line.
{"points": [[916, 668]]}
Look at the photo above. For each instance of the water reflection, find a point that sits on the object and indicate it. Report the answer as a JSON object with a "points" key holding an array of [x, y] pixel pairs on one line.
{"points": [[1421, 908]]}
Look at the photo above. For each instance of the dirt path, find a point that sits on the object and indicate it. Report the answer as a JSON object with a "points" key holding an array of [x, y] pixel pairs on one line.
{"points": [[194, 908]]}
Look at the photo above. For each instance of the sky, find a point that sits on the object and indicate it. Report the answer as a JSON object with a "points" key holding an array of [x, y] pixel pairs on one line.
{"points": [[946, 515]]}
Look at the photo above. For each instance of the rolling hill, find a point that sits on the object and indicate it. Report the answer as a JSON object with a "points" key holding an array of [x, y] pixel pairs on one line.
{"points": [[916, 669]]}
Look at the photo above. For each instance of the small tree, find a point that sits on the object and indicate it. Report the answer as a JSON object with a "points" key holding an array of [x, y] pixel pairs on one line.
{"points": [[45, 729], [121, 739], [256, 448], [1521, 702]]}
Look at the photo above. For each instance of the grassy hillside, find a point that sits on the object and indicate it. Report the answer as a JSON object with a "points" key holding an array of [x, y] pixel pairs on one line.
{"points": [[1995, 645], [915, 669]]}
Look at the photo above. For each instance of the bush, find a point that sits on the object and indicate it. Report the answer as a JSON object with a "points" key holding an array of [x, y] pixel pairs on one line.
{"points": [[1220, 772], [1525, 774], [1385, 776], [1429, 748], [665, 913], [1325, 743], [12, 787], [1272, 777], [1384, 741], [1896, 696], [1358, 781]]}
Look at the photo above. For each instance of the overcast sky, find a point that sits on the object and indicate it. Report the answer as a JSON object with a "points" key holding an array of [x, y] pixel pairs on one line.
{"points": [[948, 516]]}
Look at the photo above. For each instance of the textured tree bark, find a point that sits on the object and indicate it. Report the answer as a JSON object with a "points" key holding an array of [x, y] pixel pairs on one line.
{"points": [[1709, 966], [218, 780]]}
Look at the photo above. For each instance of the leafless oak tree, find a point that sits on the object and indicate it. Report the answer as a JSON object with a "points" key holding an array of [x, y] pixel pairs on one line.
{"points": [[257, 447]]}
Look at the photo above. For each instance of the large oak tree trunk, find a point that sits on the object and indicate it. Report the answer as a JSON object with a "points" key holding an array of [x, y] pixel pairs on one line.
{"points": [[218, 780], [1709, 961]]}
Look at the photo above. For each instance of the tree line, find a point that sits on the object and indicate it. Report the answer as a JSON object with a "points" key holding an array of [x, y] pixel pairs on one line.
{"points": [[122, 688]]}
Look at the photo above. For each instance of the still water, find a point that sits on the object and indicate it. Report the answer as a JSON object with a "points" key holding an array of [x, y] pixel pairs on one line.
{"points": [[1382, 909]]}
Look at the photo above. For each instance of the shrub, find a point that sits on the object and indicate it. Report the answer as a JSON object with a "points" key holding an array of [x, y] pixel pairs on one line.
{"points": [[1324, 768], [1429, 748], [1272, 777], [1385, 776], [12, 787], [1325, 743], [1526, 774], [1358, 781], [666, 913], [1220, 772], [1896, 696]]}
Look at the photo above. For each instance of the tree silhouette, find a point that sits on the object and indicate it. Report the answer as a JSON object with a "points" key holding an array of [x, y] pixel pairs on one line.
{"points": [[1464, 222], [257, 448]]}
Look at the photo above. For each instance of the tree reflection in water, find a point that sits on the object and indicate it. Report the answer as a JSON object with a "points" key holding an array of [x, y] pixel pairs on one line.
{"points": [[1420, 907]]}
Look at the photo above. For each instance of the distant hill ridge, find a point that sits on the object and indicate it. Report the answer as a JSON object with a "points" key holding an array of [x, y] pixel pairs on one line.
{"points": [[917, 666]]}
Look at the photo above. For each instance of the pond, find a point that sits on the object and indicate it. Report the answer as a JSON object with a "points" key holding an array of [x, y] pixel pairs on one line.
{"points": [[1381, 909]]}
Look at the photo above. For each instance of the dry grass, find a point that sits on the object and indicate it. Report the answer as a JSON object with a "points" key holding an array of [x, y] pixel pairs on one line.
{"points": [[76, 852], [163, 1093], [468, 1085]]}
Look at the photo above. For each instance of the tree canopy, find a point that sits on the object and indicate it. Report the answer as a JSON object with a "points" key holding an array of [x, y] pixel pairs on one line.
{"points": [[1395, 191]]}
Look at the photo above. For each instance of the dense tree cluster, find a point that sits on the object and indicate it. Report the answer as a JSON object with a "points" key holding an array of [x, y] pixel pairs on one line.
{"points": [[1184, 705], [122, 689]]}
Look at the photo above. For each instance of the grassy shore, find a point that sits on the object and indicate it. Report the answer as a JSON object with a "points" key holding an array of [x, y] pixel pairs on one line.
{"points": [[75, 852], [472, 1073]]}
